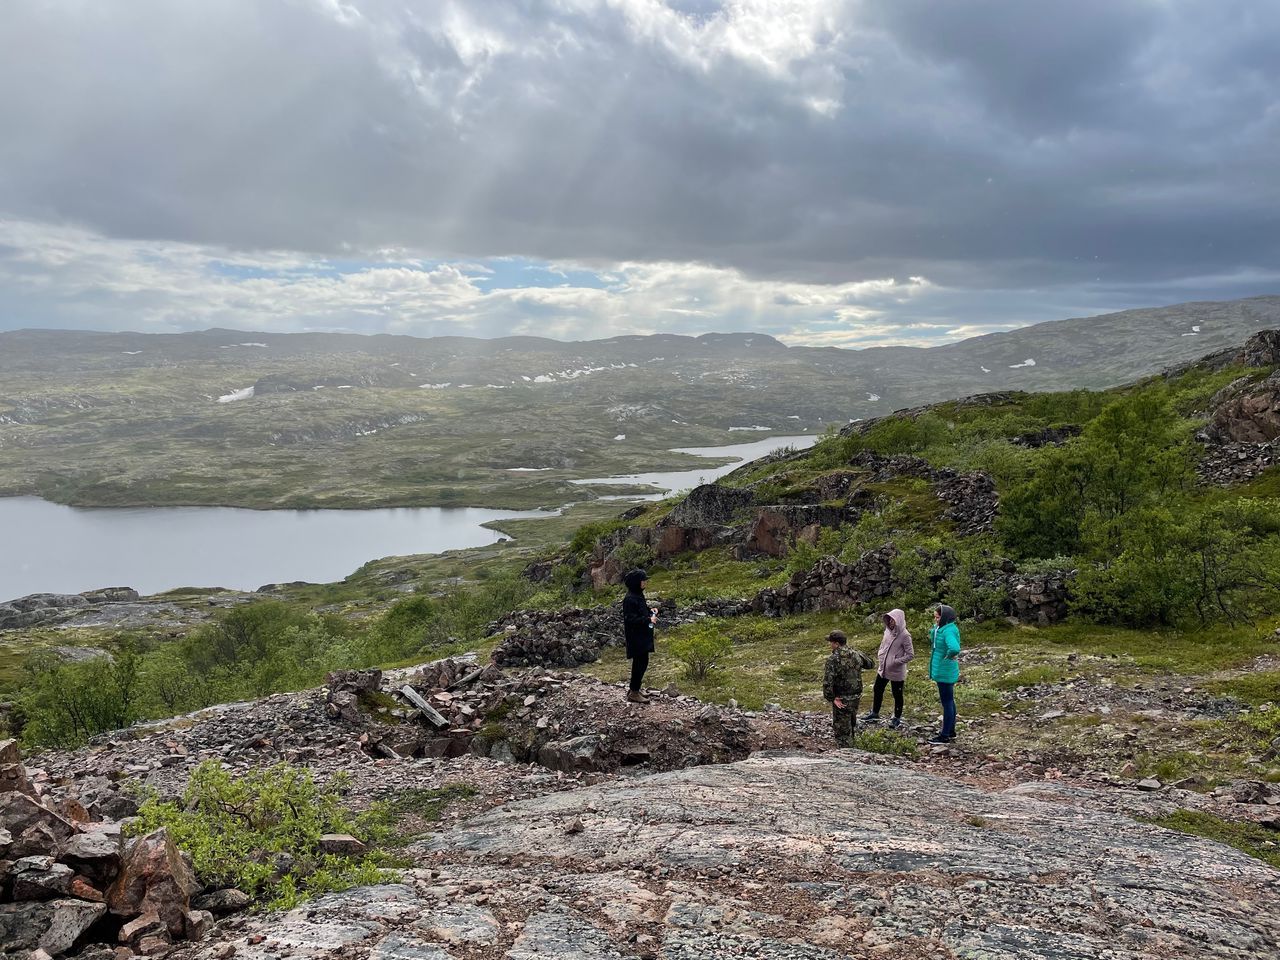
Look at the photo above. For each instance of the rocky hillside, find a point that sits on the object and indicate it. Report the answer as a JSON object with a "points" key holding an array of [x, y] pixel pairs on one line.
{"points": [[564, 842], [1114, 790]]}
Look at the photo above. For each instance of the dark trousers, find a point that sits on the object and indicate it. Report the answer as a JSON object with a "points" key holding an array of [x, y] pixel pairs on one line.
{"points": [[947, 695], [878, 693], [639, 664]]}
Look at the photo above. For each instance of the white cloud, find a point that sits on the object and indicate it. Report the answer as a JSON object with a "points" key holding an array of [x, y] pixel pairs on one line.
{"points": [[842, 171]]}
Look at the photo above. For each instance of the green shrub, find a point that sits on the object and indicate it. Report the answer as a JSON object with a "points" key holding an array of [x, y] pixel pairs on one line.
{"points": [[261, 833], [885, 741], [632, 554], [700, 648], [64, 704]]}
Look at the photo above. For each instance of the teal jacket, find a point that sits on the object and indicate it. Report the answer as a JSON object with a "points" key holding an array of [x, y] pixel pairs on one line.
{"points": [[944, 664]]}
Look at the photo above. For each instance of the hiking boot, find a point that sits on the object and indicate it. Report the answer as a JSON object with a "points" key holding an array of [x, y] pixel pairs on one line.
{"points": [[895, 723], [870, 717], [635, 696]]}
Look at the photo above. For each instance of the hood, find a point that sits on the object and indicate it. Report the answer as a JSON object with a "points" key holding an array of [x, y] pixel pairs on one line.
{"points": [[633, 579], [896, 621], [946, 615]]}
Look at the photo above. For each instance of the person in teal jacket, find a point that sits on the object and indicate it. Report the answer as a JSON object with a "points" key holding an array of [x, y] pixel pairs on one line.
{"points": [[944, 668]]}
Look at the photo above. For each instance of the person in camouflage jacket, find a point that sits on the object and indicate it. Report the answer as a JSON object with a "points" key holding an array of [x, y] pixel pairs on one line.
{"points": [[842, 686]]}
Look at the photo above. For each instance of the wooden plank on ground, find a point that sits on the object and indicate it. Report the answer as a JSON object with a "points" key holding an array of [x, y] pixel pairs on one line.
{"points": [[434, 717]]}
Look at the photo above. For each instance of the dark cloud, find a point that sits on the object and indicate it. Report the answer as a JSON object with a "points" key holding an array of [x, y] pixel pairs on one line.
{"points": [[1126, 146]]}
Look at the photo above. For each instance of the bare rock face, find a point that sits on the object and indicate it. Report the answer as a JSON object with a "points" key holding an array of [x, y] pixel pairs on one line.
{"points": [[35, 829], [1261, 350], [38, 608], [795, 857], [831, 585], [154, 878], [711, 505], [802, 856]]}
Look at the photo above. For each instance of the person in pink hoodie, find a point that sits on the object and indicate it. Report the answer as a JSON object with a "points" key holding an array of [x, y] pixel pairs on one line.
{"points": [[895, 653]]}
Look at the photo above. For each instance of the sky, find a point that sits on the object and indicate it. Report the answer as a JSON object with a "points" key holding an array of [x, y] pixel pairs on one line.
{"points": [[831, 172]]}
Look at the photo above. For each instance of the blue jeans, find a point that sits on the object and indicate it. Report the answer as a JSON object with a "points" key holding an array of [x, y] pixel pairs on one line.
{"points": [[947, 694]]}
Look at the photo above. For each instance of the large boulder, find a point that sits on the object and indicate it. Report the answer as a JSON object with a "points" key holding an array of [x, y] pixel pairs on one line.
{"points": [[1261, 350], [711, 505], [154, 878], [1252, 415], [577, 755], [40, 878], [95, 855], [35, 828], [70, 921], [22, 925]]}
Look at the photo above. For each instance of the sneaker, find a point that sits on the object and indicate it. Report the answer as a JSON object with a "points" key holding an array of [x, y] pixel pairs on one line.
{"points": [[895, 723], [871, 717], [939, 739]]}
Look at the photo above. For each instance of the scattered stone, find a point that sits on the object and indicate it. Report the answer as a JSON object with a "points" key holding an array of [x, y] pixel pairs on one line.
{"points": [[222, 902], [341, 845]]}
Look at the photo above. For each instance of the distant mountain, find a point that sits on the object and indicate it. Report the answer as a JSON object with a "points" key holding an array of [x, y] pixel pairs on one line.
{"points": [[263, 419]]}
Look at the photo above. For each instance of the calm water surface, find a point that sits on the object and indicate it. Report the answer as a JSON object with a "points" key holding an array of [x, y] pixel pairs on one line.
{"points": [[49, 548]]}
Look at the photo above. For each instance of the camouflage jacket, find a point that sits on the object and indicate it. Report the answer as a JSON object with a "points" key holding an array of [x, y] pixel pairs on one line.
{"points": [[843, 677]]}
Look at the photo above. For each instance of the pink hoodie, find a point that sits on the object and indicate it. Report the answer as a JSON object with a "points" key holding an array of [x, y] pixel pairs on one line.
{"points": [[895, 649]]}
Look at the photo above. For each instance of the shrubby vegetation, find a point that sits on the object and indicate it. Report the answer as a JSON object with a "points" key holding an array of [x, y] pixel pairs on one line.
{"points": [[249, 651], [261, 833], [1118, 502], [701, 648]]}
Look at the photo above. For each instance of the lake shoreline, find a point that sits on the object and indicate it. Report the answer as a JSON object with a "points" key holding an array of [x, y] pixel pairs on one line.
{"points": [[58, 546]]}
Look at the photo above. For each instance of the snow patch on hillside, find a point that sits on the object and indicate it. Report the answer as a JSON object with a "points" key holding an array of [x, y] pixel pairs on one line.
{"points": [[235, 395]]}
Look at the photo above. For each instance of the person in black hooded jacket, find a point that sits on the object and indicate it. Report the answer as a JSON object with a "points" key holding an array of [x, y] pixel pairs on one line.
{"points": [[638, 620]]}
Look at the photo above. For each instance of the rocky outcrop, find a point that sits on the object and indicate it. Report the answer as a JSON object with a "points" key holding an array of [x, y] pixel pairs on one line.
{"points": [[62, 874], [42, 608], [1261, 350], [1242, 437], [775, 531], [1039, 599], [971, 499], [786, 856], [711, 505], [831, 585]]}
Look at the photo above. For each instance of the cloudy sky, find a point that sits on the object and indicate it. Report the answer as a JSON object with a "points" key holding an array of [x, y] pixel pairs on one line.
{"points": [[839, 172]]}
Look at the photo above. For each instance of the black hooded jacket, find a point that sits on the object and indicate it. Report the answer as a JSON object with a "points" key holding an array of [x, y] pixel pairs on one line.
{"points": [[636, 625]]}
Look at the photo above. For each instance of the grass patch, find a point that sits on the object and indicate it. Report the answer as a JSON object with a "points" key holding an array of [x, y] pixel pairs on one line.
{"points": [[1251, 688], [886, 742], [771, 661], [1249, 838], [714, 573], [1031, 677], [408, 815]]}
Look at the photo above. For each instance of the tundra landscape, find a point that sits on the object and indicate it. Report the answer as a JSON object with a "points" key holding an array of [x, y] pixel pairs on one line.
{"points": [[639, 480]]}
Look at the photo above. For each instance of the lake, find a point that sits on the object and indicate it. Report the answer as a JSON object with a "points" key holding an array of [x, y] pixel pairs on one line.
{"points": [[676, 481], [51, 548]]}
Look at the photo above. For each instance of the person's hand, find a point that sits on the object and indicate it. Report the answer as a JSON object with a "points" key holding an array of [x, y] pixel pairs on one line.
{"points": [[839, 702]]}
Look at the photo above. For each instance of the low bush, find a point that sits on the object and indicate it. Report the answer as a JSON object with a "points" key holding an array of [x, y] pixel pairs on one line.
{"points": [[261, 833], [885, 741], [700, 648]]}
